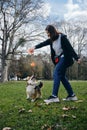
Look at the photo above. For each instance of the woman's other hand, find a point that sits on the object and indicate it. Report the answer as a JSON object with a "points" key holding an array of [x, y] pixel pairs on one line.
{"points": [[31, 50], [79, 61]]}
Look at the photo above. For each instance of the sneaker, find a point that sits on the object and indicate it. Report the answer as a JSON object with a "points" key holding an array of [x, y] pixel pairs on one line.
{"points": [[70, 98], [51, 99]]}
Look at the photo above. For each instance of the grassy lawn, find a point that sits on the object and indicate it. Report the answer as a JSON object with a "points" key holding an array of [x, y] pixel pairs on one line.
{"points": [[19, 114]]}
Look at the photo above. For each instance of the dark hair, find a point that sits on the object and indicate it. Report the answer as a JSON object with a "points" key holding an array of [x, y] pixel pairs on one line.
{"points": [[53, 32]]}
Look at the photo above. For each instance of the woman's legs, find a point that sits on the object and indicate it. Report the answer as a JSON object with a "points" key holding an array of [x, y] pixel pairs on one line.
{"points": [[57, 76]]}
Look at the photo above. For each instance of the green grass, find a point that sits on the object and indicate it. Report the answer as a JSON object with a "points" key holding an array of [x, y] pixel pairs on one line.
{"points": [[19, 114]]}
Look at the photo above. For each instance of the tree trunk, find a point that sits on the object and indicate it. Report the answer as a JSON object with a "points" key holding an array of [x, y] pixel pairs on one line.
{"points": [[4, 74], [4, 71]]}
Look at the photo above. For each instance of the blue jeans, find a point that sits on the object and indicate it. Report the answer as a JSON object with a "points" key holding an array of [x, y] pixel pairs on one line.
{"points": [[59, 75]]}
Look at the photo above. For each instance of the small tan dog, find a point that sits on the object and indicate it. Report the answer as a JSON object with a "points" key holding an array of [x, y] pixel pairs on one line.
{"points": [[33, 89]]}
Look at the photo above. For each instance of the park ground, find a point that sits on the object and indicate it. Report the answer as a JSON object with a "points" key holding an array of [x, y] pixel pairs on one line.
{"points": [[18, 113]]}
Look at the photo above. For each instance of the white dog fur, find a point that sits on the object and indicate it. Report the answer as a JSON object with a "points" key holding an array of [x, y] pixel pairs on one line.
{"points": [[33, 89]]}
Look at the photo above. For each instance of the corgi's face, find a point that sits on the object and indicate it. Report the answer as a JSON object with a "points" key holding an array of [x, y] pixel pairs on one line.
{"points": [[31, 80]]}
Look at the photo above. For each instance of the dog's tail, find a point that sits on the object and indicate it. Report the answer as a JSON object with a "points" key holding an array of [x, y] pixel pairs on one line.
{"points": [[40, 85]]}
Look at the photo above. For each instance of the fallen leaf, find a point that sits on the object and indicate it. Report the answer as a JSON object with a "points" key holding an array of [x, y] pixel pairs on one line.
{"points": [[22, 110], [47, 103], [66, 108], [38, 104], [73, 116], [79, 101], [6, 128], [44, 127], [50, 128], [65, 115], [69, 108], [30, 111]]}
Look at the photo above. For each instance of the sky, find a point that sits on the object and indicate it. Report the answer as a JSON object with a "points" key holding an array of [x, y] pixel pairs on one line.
{"points": [[67, 9]]}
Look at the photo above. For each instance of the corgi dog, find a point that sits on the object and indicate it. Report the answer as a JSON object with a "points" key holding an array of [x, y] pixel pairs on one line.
{"points": [[33, 89]]}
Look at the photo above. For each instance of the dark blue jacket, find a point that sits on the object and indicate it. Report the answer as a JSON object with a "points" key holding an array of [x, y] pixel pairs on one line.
{"points": [[68, 50]]}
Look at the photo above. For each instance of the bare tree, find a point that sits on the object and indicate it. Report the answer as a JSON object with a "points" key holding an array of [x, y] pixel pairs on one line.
{"points": [[14, 15], [77, 34]]}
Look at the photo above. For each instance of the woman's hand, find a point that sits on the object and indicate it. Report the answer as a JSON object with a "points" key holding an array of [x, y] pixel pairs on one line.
{"points": [[79, 61], [31, 50]]}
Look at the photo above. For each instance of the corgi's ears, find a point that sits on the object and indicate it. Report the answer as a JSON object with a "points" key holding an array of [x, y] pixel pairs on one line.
{"points": [[28, 78], [33, 77]]}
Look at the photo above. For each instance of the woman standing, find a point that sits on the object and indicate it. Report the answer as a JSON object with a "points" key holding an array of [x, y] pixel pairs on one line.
{"points": [[62, 54]]}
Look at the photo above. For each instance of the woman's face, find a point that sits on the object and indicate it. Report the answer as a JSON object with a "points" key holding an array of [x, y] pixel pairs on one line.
{"points": [[48, 34]]}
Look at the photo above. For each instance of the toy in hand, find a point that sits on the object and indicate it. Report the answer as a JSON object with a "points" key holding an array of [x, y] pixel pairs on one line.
{"points": [[31, 50]]}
